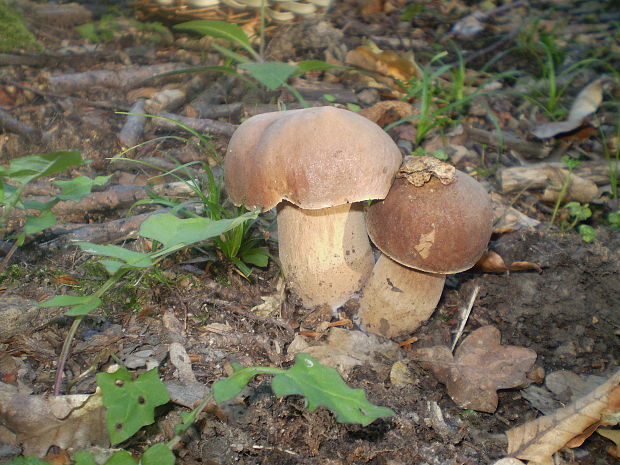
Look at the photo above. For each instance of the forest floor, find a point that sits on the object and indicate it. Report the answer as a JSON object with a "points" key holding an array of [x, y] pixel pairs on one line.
{"points": [[483, 105]]}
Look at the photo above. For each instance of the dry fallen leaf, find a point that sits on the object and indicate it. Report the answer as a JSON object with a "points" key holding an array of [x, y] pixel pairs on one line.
{"points": [[612, 435], [386, 62], [38, 422], [345, 349], [538, 440], [585, 104], [492, 262], [480, 366], [387, 112]]}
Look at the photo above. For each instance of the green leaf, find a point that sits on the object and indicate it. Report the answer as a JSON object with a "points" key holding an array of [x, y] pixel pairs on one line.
{"points": [[323, 386], [158, 454], [131, 258], [112, 266], [35, 224], [270, 74], [34, 205], [78, 187], [220, 30], [315, 65], [65, 301], [320, 385], [614, 219], [130, 404], [229, 388], [258, 256], [85, 308], [80, 305], [587, 232], [83, 457], [174, 232], [31, 167], [578, 211], [122, 457]]}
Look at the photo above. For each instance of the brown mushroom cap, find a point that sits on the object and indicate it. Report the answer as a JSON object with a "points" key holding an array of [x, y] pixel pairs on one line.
{"points": [[435, 228], [314, 158]]}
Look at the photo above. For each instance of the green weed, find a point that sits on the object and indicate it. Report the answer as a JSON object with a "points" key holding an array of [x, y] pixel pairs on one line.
{"points": [[24, 170], [240, 246], [571, 164], [244, 58], [439, 105], [130, 404]]}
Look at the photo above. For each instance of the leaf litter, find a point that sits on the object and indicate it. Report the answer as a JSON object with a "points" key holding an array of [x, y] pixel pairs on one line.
{"points": [[479, 368]]}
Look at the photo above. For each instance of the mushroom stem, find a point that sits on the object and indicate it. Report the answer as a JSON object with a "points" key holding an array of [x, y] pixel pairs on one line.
{"points": [[325, 254], [397, 300]]}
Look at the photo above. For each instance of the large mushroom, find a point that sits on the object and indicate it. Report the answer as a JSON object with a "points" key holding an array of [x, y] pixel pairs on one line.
{"points": [[435, 221], [314, 164]]}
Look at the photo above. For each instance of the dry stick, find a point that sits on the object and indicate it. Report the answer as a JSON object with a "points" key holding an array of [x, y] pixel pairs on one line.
{"points": [[506, 140], [9, 123], [536, 176], [113, 106], [120, 78], [465, 317], [200, 125], [132, 130]]}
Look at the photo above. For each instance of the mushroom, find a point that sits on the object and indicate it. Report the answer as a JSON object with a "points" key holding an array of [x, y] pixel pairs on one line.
{"points": [[435, 221], [314, 163]]}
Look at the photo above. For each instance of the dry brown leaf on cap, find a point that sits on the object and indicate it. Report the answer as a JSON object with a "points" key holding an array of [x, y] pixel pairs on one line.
{"points": [[479, 368], [585, 104], [538, 440], [492, 262], [387, 112], [39, 422]]}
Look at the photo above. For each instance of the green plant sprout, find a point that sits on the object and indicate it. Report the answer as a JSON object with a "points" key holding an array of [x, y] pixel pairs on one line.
{"points": [[549, 100], [130, 404], [24, 170], [579, 212], [613, 219], [438, 105], [271, 74], [571, 164], [171, 232], [241, 245]]}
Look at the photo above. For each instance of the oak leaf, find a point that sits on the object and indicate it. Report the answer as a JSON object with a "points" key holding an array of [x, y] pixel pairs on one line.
{"points": [[538, 440], [480, 366], [37, 422]]}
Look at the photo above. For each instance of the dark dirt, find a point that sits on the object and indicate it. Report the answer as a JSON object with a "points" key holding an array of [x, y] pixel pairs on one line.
{"points": [[568, 313]]}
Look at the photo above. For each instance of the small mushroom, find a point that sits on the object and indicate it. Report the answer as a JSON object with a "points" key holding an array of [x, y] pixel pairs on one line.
{"points": [[435, 221], [314, 164]]}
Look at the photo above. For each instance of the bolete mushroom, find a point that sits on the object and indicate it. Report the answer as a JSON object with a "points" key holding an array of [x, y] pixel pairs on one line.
{"points": [[435, 221], [314, 163]]}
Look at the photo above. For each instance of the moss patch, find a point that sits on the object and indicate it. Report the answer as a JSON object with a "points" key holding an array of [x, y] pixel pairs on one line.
{"points": [[13, 33]]}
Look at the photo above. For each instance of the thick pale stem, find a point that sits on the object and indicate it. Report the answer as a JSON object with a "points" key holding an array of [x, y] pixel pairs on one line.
{"points": [[397, 300], [325, 254]]}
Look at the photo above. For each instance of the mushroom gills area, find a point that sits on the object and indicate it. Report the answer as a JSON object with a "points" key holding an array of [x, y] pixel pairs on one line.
{"points": [[397, 300], [325, 254]]}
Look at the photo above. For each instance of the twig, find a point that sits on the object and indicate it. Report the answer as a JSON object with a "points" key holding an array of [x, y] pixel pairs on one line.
{"points": [[201, 125], [465, 317]]}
